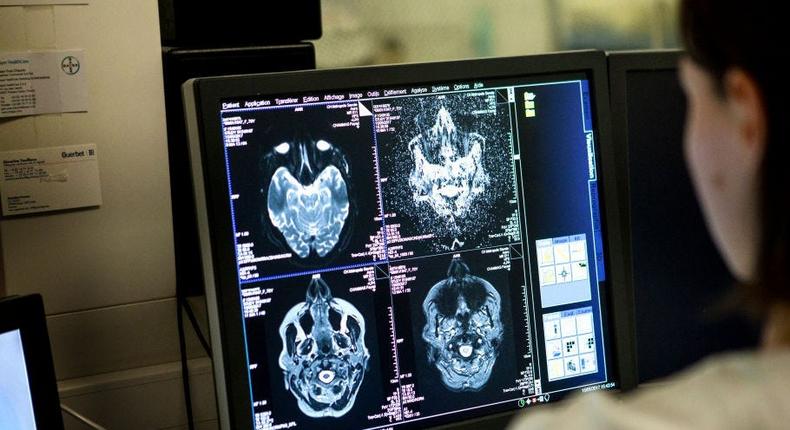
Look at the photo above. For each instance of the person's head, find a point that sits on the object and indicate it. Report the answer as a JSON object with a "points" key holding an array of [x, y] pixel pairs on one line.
{"points": [[738, 133]]}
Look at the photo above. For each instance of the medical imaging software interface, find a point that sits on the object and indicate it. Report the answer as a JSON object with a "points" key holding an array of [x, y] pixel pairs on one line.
{"points": [[417, 255]]}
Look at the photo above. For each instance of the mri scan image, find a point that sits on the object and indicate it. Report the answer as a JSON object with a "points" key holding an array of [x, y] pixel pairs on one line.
{"points": [[324, 357], [448, 171], [448, 165], [463, 329], [308, 199]]}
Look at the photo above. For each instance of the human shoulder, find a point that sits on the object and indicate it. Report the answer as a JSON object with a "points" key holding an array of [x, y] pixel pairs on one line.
{"points": [[736, 390]]}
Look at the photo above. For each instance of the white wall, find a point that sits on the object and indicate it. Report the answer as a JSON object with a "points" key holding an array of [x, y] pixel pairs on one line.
{"points": [[121, 252], [106, 274]]}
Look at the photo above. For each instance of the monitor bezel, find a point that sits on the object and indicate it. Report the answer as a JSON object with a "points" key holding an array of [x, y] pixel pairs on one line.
{"points": [[620, 63], [202, 102], [26, 314]]}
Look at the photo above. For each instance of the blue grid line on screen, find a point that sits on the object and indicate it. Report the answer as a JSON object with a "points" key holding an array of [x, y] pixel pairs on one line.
{"points": [[236, 258], [527, 262], [379, 194], [311, 272], [386, 256]]}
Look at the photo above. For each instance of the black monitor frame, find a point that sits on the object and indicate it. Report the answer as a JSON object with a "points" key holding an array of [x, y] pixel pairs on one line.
{"points": [[26, 314], [619, 64], [202, 102]]}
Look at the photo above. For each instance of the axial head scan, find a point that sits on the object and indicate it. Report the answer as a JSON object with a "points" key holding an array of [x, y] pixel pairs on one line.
{"points": [[324, 357], [463, 328], [448, 171], [308, 199]]}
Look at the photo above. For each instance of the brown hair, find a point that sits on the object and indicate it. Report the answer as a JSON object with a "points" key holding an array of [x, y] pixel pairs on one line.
{"points": [[722, 34]]}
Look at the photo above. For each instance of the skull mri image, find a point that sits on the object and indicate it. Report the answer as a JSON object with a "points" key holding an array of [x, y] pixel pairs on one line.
{"points": [[463, 328], [308, 197], [448, 170], [324, 357]]}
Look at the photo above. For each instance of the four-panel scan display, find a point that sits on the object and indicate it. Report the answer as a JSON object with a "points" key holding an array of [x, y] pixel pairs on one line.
{"points": [[383, 257]]}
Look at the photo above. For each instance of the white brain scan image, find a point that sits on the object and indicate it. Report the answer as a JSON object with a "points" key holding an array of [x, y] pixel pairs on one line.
{"points": [[463, 328], [324, 357], [448, 172], [308, 200]]}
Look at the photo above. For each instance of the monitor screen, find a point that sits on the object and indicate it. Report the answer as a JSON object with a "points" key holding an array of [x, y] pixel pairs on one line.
{"points": [[28, 388], [410, 251], [16, 404]]}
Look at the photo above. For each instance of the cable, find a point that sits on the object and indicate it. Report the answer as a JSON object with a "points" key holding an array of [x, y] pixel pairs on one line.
{"points": [[196, 327], [184, 367], [182, 303], [81, 418]]}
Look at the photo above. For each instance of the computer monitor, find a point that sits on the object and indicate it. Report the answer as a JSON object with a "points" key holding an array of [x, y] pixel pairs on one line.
{"points": [[409, 246], [678, 275], [28, 391]]}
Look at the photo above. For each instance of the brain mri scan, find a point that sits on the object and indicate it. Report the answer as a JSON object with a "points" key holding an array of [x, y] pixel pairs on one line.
{"points": [[448, 171], [463, 328], [308, 197], [324, 357]]}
